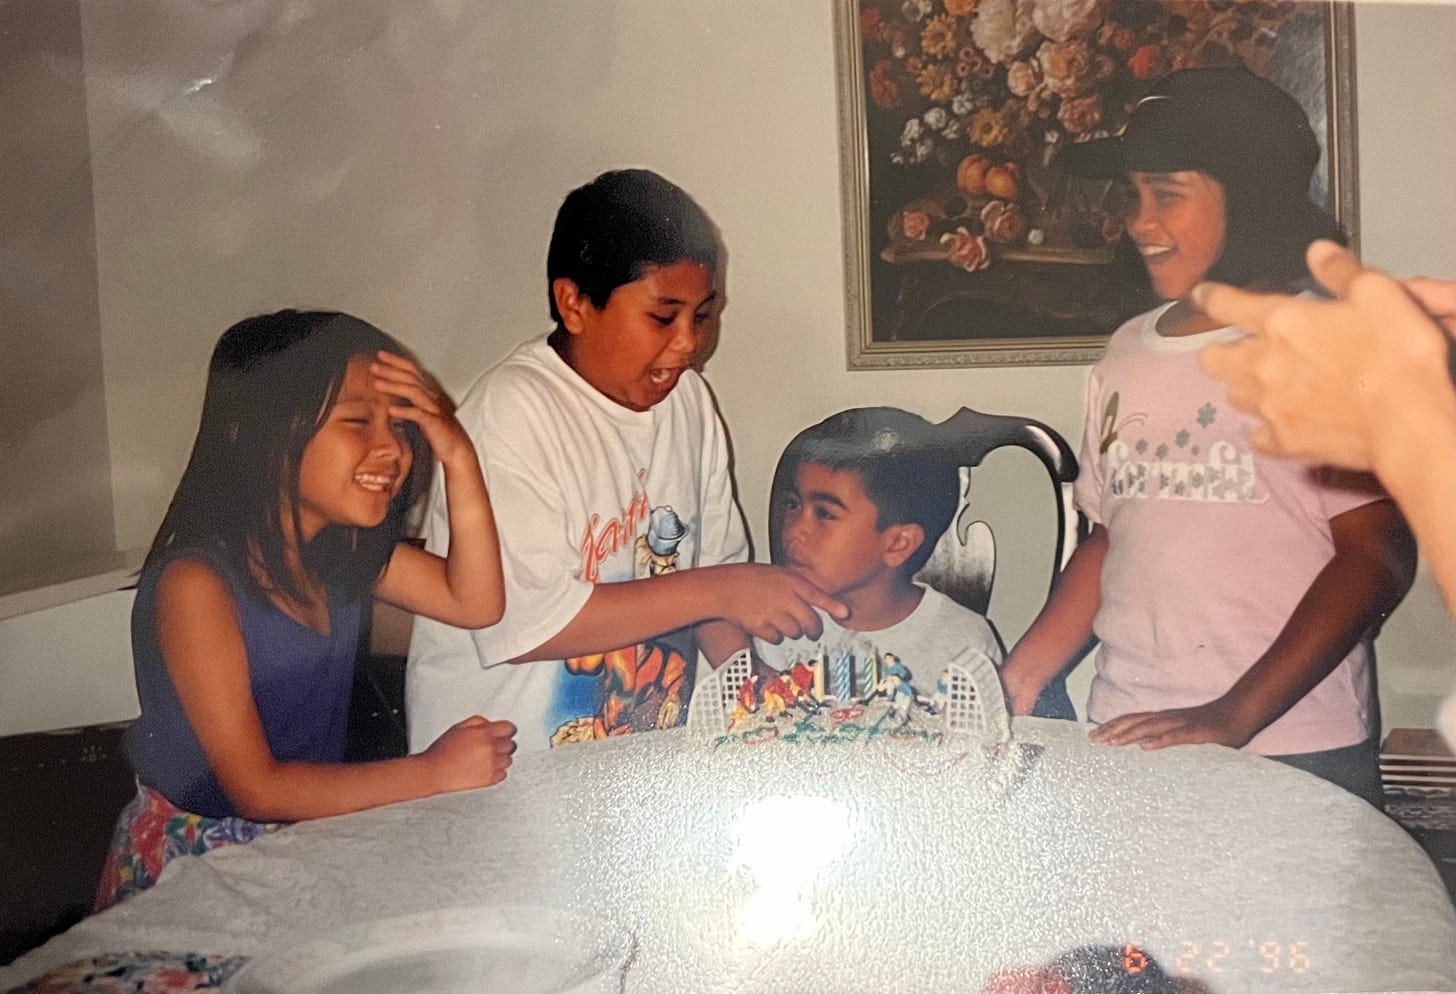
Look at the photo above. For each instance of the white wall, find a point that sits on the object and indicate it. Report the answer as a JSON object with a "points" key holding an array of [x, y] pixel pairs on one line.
{"points": [[55, 491], [1406, 109], [71, 666], [404, 161]]}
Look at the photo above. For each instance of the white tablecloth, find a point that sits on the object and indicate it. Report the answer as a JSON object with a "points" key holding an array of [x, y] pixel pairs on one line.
{"points": [[851, 868]]}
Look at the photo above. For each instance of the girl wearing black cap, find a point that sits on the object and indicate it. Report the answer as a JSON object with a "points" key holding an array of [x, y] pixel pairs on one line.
{"points": [[1234, 594]]}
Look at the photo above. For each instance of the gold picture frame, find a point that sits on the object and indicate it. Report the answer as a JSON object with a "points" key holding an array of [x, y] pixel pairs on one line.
{"points": [[963, 245]]}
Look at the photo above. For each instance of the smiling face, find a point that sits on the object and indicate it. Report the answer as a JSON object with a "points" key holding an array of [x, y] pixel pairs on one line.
{"points": [[635, 348], [831, 532], [1177, 222], [357, 461]]}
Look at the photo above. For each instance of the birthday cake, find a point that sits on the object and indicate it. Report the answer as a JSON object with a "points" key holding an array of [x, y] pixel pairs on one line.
{"points": [[849, 694]]}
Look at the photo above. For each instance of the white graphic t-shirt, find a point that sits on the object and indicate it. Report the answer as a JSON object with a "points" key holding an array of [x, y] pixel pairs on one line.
{"points": [[585, 491], [932, 636], [1211, 543]]}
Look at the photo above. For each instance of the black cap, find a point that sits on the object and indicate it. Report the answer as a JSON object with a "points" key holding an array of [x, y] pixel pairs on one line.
{"points": [[1226, 121]]}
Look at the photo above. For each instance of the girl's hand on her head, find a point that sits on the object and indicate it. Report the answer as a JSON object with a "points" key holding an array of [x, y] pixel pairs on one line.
{"points": [[1215, 722], [427, 403], [472, 753], [772, 603]]}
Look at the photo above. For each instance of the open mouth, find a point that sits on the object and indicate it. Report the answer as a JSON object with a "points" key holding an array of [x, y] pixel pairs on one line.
{"points": [[1155, 253], [381, 483], [660, 377]]}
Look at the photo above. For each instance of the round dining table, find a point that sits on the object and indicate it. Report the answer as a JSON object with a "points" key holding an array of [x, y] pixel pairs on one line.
{"points": [[871, 866]]}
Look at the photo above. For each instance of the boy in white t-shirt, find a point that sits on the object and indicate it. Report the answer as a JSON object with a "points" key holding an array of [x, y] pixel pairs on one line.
{"points": [[609, 472], [867, 495]]}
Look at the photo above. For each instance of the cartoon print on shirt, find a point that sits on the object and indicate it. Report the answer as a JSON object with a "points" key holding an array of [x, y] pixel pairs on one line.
{"points": [[657, 550], [1216, 470], [603, 539], [1111, 429], [641, 687]]}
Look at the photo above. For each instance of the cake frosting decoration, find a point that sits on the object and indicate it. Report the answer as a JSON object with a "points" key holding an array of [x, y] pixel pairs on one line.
{"points": [[850, 693]]}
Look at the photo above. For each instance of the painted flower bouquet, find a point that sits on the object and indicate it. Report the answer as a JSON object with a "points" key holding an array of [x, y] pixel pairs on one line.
{"points": [[982, 93]]}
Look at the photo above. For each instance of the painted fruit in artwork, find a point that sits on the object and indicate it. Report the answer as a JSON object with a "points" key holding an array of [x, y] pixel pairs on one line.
{"points": [[971, 174]]}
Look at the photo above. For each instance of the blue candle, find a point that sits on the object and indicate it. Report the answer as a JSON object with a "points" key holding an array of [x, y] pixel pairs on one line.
{"points": [[843, 662]]}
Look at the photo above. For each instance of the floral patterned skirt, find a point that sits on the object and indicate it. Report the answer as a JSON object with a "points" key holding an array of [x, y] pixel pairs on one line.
{"points": [[138, 973], [151, 832]]}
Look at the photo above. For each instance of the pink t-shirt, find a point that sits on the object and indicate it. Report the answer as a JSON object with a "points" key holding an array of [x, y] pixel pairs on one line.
{"points": [[1211, 544]]}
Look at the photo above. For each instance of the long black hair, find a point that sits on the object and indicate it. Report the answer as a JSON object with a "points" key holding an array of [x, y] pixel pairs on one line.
{"points": [[1265, 237], [271, 383]]}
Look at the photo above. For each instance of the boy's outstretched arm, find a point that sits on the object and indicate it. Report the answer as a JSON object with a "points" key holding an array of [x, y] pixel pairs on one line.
{"points": [[1372, 568], [1063, 630], [768, 602], [719, 640]]}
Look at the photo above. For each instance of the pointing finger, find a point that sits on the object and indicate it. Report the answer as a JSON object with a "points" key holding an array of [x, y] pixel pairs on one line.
{"points": [[809, 625], [830, 606], [1232, 306], [766, 631], [1222, 360]]}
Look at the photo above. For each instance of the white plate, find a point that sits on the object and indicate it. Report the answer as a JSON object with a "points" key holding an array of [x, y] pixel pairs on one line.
{"points": [[487, 950]]}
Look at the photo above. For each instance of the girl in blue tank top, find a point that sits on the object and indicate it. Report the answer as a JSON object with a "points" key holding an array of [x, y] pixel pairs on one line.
{"points": [[316, 436]]}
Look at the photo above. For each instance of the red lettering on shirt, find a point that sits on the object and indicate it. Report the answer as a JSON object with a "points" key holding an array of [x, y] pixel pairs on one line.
{"points": [[602, 540]]}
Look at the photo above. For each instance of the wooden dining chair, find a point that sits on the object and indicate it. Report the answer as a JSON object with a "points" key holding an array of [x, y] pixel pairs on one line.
{"points": [[963, 564]]}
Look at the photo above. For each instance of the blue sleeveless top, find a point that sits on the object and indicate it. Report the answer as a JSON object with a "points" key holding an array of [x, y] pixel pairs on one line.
{"points": [[301, 682]]}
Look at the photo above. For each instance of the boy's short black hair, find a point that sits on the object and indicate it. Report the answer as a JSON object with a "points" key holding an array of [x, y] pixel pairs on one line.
{"points": [[906, 471], [621, 224]]}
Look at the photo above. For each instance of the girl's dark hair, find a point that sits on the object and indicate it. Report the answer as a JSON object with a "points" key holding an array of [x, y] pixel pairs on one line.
{"points": [[612, 230], [271, 383], [1254, 138], [1265, 238]]}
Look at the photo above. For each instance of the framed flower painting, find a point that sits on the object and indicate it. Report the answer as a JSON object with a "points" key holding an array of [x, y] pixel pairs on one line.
{"points": [[965, 243]]}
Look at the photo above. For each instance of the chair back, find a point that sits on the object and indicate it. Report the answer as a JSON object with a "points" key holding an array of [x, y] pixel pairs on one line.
{"points": [[963, 565]]}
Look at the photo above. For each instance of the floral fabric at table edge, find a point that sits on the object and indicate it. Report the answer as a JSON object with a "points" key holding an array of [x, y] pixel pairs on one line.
{"points": [[137, 973], [151, 831]]}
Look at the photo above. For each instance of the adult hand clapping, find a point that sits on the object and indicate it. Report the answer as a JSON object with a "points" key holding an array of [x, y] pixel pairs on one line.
{"points": [[1362, 381], [1331, 378]]}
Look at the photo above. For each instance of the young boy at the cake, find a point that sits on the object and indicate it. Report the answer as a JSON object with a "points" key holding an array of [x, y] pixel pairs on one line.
{"points": [[867, 496], [609, 470]]}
